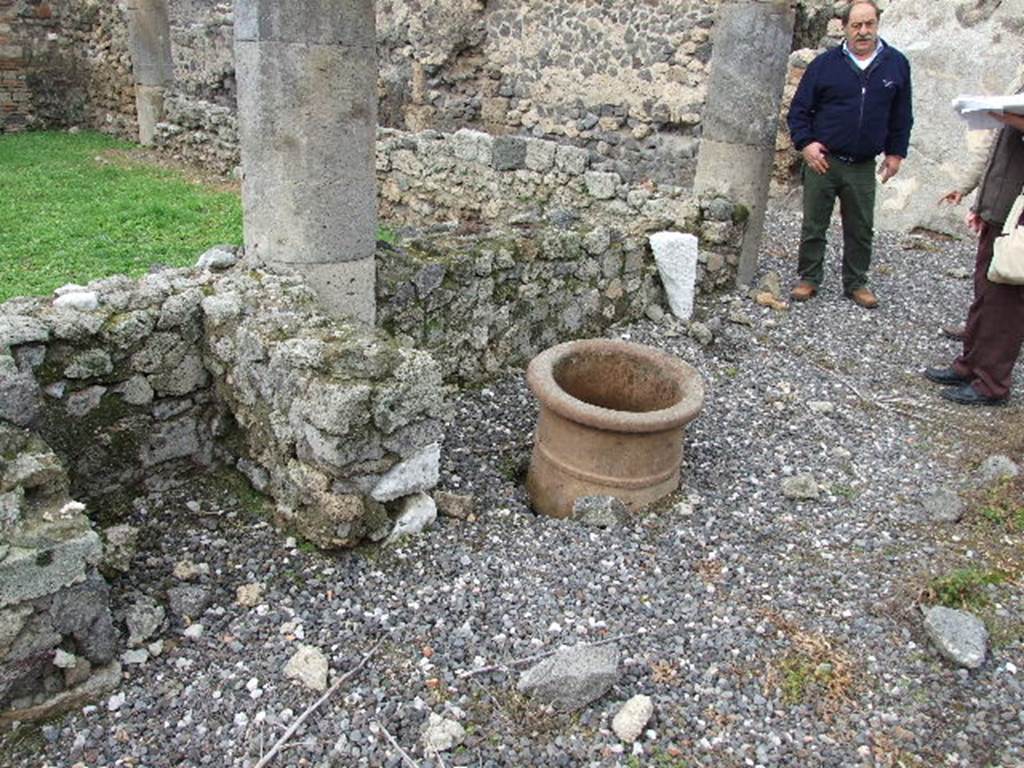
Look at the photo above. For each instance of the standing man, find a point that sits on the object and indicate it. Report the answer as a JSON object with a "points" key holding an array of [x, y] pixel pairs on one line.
{"points": [[853, 103]]}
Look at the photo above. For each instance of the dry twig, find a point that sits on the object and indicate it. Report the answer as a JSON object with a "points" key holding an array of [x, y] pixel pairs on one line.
{"points": [[391, 739], [265, 760]]}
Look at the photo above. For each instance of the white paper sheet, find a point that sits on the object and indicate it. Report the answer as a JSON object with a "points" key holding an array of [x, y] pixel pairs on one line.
{"points": [[975, 109]]}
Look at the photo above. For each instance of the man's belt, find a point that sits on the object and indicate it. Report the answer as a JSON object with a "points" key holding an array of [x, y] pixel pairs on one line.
{"points": [[850, 159]]}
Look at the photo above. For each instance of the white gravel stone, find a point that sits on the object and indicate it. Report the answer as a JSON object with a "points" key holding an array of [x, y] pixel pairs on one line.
{"points": [[416, 513], [441, 734], [630, 721], [308, 665], [84, 301]]}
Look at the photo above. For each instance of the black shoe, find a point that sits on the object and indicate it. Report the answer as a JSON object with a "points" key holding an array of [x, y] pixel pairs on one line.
{"points": [[968, 395], [945, 376], [954, 332]]}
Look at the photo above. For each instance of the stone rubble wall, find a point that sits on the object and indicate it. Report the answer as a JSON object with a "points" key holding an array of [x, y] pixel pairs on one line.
{"points": [[626, 82], [123, 392], [125, 385], [57, 637], [64, 63], [515, 244]]}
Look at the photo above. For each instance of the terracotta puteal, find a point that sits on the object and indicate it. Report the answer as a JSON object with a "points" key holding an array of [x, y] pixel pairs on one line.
{"points": [[611, 422]]}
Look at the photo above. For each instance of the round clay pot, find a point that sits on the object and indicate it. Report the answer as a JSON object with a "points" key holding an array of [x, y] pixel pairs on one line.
{"points": [[611, 423]]}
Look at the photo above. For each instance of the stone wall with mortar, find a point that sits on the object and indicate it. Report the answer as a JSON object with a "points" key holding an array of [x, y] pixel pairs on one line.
{"points": [[64, 63], [57, 638], [110, 388], [627, 82], [511, 244]]}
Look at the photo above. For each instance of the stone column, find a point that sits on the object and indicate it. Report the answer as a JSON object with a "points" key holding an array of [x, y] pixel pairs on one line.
{"points": [[749, 61], [307, 120], [149, 37]]}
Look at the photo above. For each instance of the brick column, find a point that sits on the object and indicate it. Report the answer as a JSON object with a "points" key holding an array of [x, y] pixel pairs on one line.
{"points": [[14, 94]]}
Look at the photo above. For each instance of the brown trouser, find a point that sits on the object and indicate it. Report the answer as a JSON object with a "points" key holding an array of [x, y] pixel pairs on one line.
{"points": [[995, 326]]}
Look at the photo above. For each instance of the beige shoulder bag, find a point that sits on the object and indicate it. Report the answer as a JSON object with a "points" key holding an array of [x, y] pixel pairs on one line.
{"points": [[1007, 264]]}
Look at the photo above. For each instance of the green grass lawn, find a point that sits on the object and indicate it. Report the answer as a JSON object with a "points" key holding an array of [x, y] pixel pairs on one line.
{"points": [[73, 209]]}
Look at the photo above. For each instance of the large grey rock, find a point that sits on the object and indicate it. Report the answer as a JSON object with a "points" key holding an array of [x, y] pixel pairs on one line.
{"points": [[942, 41], [800, 487], [959, 636], [943, 506], [83, 612], [46, 558], [22, 329], [996, 468], [573, 677]]}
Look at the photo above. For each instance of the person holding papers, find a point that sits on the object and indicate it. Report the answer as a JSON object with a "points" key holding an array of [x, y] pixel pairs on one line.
{"points": [[853, 103], [981, 375]]}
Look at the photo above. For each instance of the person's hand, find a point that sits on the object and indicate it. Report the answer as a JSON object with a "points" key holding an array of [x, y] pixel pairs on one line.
{"points": [[955, 197], [1010, 119], [815, 155], [974, 222], [890, 167]]}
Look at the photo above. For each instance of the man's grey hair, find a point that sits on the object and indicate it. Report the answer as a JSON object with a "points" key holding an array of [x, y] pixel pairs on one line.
{"points": [[845, 15]]}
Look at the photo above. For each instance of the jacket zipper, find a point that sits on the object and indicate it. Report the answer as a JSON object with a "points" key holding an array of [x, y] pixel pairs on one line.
{"points": [[863, 98]]}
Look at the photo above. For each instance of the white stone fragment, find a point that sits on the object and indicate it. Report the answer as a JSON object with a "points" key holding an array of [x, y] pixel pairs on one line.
{"points": [[442, 734], [68, 288], [417, 473], [84, 302], [219, 257], [417, 512], [676, 253], [249, 595], [64, 660], [309, 666], [630, 721]]}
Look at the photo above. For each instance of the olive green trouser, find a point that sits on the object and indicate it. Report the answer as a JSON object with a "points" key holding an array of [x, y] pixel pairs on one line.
{"points": [[854, 185]]}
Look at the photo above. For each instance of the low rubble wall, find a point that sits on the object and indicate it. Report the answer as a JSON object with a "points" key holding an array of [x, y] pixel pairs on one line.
{"points": [[123, 383], [57, 637]]}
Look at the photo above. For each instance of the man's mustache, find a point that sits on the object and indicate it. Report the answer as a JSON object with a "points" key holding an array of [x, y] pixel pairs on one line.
{"points": [[865, 37]]}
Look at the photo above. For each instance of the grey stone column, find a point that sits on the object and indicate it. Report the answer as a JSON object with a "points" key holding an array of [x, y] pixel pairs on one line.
{"points": [[307, 119], [149, 37], [749, 62]]}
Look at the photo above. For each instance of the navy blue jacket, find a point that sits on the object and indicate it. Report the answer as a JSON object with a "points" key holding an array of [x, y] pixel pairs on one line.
{"points": [[852, 112]]}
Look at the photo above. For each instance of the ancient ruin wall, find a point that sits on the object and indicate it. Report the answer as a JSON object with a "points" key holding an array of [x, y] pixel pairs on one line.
{"points": [[519, 243], [63, 63], [106, 389]]}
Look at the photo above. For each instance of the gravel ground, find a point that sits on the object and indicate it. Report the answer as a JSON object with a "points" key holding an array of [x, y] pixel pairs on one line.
{"points": [[768, 632]]}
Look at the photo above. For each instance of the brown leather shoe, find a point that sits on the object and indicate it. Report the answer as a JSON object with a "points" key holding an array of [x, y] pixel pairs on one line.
{"points": [[954, 332], [803, 291], [863, 297]]}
